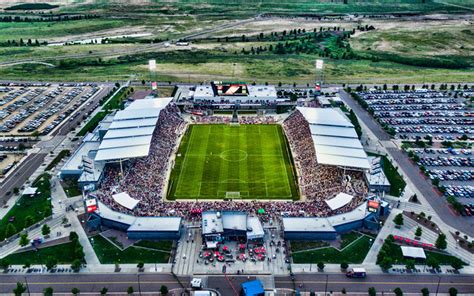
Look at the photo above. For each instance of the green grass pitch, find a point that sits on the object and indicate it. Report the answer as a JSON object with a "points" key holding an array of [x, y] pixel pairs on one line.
{"points": [[228, 161]]}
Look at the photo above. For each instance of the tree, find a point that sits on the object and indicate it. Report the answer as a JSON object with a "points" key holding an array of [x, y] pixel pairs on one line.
{"points": [[441, 241], [344, 265], [372, 291], [4, 264], [130, 290], [386, 263], [104, 291], [24, 239], [410, 264], [418, 232], [19, 289], [457, 264], [51, 262], [164, 290], [28, 221], [76, 265], [432, 262], [425, 292], [11, 230], [321, 265], [75, 291], [398, 291], [143, 82], [398, 220], [453, 291], [140, 265], [48, 291], [45, 230], [73, 235]]}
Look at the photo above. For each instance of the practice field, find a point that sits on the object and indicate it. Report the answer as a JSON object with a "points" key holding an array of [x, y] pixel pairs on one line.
{"points": [[236, 162]]}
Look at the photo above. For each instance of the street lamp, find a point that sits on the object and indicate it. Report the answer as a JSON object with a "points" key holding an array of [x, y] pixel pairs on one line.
{"points": [[27, 287], [326, 286], [437, 287], [139, 286]]}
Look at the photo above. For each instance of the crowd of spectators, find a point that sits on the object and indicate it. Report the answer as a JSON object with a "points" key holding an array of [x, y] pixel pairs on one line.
{"points": [[145, 178]]}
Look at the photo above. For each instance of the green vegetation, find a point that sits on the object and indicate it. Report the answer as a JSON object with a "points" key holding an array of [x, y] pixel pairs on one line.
{"points": [[391, 253], [32, 6], [92, 123], [71, 187], [109, 254], [354, 253], [117, 101], [397, 184], [64, 253], [157, 245], [57, 159], [253, 160], [28, 210], [297, 246]]}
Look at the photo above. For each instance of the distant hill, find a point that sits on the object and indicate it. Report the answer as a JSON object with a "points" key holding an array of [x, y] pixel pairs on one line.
{"points": [[32, 6]]}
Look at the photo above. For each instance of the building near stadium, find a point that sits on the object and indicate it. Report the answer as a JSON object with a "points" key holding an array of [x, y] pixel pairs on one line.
{"points": [[230, 225], [156, 228], [120, 136], [327, 228]]}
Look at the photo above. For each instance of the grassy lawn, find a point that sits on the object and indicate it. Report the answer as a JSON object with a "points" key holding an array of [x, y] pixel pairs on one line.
{"points": [[396, 181], [71, 188], [157, 245], [57, 159], [64, 253], [116, 102], [250, 159], [92, 123], [109, 254], [352, 254], [396, 254], [307, 245], [37, 207]]}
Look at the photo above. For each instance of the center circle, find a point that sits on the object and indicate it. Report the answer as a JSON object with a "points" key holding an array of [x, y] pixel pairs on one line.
{"points": [[234, 155]]}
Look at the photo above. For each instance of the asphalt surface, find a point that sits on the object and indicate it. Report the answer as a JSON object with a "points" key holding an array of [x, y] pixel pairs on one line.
{"points": [[116, 282], [381, 282], [20, 175], [87, 283], [436, 200]]}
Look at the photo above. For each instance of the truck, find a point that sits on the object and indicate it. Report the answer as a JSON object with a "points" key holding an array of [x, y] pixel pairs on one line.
{"points": [[356, 273]]}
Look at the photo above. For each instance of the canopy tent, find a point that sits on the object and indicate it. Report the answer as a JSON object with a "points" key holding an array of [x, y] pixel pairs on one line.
{"points": [[125, 200], [413, 252], [339, 201], [261, 211], [30, 191]]}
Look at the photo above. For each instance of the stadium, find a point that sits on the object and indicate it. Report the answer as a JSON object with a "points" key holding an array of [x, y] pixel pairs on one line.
{"points": [[153, 159]]}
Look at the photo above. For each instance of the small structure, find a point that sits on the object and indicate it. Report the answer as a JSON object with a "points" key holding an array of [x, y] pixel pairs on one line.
{"points": [[340, 200], [230, 225], [30, 191], [413, 252], [376, 177], [125, 200], [253, 288]]}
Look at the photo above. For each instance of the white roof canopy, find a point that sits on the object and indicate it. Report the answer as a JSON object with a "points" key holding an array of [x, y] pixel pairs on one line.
{"points": [[125, 200], [413, 252], [131, 131], [334, 137], [29, 191], [339, 201]]}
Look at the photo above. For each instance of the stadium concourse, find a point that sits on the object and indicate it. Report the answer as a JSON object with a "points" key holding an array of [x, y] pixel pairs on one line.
{"points": [[328, 157]]}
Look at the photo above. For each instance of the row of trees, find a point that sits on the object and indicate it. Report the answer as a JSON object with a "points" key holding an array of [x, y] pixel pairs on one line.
{"points": [[21, 42], [46, 18], [49, 291]]}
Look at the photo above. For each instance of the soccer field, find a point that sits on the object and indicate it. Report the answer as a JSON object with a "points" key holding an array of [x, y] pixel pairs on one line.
{"points": [[238, 162]]}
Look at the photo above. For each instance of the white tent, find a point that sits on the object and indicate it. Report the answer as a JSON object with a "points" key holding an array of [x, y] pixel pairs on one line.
{"points": [[413, 252], [339, 201], [30, 191], [125, 200]]}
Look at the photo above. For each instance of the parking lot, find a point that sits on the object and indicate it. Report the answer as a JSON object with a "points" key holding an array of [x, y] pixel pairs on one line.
{"points": [[7, 161], [416, 114], [27, 109]]}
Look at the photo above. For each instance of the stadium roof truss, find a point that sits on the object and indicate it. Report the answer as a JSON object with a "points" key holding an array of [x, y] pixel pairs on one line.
{"points": [[335, 139], [131, 131]]}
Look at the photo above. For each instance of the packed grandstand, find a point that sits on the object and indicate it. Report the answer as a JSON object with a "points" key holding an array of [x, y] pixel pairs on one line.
{"points": [[145, 178]]}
